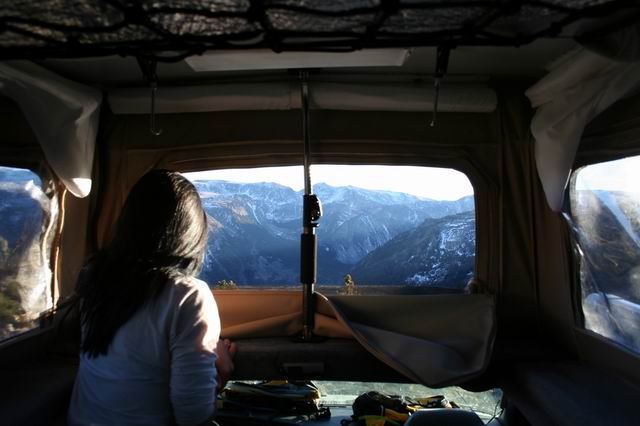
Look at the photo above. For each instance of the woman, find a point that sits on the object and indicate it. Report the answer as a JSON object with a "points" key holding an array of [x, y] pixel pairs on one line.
{"points": [[150, 329]]}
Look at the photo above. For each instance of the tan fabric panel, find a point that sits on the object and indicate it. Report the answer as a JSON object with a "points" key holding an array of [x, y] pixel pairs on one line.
{"points": [[518, 298], [73, 243], [436, 340], [242, 126], [535, 297], [259, 313], [554, 270], [272, 313]]}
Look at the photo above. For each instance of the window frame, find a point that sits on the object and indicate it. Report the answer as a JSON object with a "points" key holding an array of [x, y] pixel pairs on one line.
{"points": [[454, 164], [575, 250]]}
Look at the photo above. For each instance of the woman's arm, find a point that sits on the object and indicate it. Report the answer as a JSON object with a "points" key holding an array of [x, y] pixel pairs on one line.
{"points": [[194, 338], [225, 350]]}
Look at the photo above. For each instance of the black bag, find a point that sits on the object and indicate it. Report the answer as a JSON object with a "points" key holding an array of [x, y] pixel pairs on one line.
{"points": [[377, 409], [271, 400]]}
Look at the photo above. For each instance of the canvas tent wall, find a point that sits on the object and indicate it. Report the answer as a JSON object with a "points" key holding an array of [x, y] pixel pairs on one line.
{"points": [[493, 148], [222, 139]]}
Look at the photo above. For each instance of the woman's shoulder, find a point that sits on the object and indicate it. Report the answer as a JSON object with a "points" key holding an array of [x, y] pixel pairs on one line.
{"points": [[189, 283], [184, 287], [195, 310]]}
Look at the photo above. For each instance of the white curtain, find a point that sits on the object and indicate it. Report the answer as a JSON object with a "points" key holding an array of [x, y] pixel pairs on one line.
{"points": [[63, 115], [578, 87]]}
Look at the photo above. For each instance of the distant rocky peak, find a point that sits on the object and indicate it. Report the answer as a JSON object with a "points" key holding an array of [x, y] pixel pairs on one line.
{"points": [[263, 190], [350, 194]]}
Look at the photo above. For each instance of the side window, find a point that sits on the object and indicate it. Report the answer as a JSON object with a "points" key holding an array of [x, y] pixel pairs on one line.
{"points": [[28, 213], [605, 209], [385, 229]]}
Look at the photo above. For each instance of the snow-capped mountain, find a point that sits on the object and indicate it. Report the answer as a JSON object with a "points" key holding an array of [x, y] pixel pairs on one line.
{"points": [[255, 229], [439, 252], [20, 206]]}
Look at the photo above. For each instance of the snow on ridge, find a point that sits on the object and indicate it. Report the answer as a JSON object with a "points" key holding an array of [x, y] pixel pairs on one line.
{"points": [[435, 275], [278, 193], [330, 194]]}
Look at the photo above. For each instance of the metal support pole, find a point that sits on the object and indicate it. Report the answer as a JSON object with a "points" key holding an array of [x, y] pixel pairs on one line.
{"points": [[304, 93], [312, 211]]}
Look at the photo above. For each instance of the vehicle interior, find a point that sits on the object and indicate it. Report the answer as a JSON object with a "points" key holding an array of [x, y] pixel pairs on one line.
{"points": [[536, 103]]}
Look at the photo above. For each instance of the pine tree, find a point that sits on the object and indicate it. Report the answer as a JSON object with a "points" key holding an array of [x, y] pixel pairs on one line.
{"points": [[350, 288], [226, 285]]}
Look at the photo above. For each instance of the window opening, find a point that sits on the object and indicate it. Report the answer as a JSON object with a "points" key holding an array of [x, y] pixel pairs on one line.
{"points": [[28, 211], [605, 213], [384, 230], [485, 404], [334, 393]]}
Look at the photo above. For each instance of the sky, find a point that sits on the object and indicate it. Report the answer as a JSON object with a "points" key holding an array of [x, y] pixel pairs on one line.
{"points": [[425, 182], [619, 175]]}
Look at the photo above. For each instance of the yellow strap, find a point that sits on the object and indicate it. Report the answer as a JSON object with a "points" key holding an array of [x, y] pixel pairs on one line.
{"points": [[377, 421], [394, 415], [431, 400]]}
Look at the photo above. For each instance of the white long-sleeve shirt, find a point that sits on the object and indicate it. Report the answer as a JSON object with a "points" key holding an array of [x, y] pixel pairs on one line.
{"points": [[159, 368]]}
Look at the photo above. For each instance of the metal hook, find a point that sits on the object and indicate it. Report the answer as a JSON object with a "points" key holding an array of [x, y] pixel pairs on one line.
{"points": [[442, 63], [148, 68], [153, 121], [434, 115]]}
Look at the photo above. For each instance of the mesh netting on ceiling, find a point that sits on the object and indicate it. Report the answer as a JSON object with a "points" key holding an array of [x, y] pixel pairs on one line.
{"points": [[172, 29]]}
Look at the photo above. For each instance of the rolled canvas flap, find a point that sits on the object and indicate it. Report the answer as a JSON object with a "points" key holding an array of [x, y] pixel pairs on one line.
{"points": [[402, 97], [436, 340], [579, 87], [285, 95], [212, 98], [63, 115]]}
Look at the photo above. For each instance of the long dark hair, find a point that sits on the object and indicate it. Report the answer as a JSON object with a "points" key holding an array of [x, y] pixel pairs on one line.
{"points": [[161, 234]]}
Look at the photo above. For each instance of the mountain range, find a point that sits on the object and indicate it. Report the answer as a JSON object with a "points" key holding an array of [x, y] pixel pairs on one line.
{"points": [[379, 237]]}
